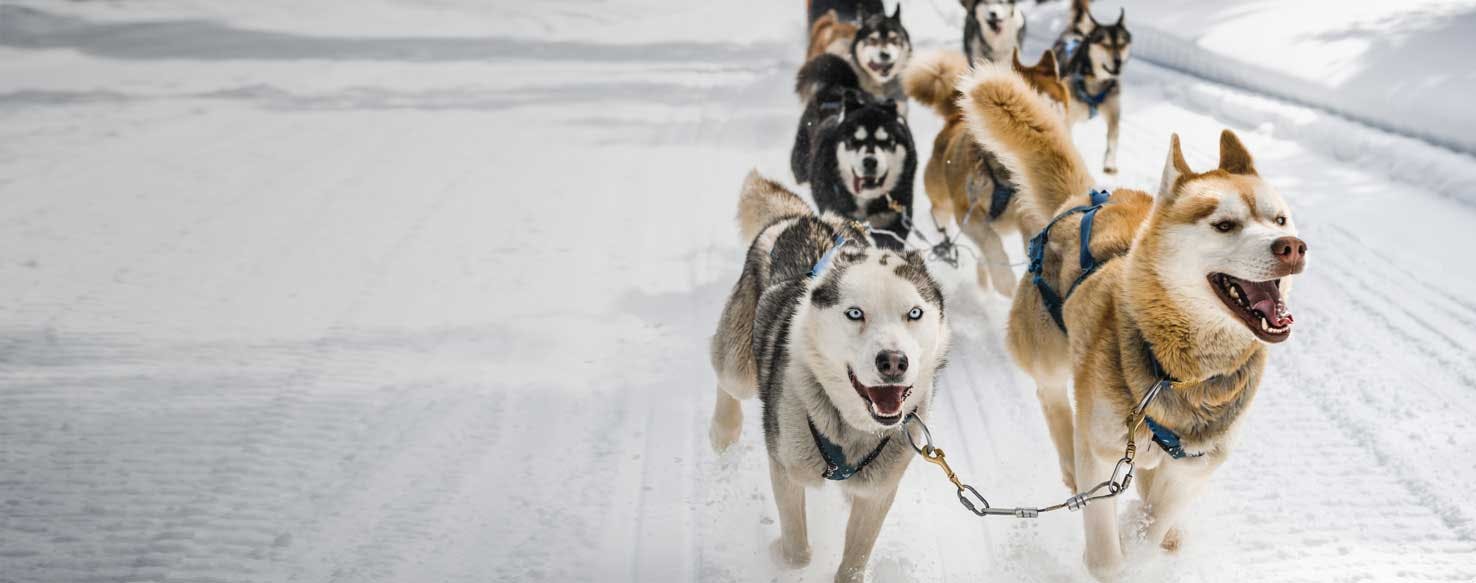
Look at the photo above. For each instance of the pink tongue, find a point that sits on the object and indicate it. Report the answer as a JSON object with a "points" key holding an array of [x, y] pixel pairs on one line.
{"points": [[888, 399], [858, 185]]}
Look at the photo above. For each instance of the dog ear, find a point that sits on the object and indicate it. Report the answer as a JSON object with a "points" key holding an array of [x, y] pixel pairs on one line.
{"points": [[897, 13], [1121, 13], [964, 3], [1234, 158], [1173, 169], [1048, 60]]}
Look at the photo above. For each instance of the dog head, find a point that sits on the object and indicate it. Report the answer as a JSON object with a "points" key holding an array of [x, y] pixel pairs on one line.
{"points": [[1106, 47], [1045, 78], [882, 47], [996, 18], [1224, 246], [874, 335], [872, 148]]}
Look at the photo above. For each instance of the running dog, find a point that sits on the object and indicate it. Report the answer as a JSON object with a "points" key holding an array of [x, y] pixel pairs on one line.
{"points": [[1091, 57], [877, 54], [1130, 292], [993, 30], [964, 181], [858, 156], [841, 342]]}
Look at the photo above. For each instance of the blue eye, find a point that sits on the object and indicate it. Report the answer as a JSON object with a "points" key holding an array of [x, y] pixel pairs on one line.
{"points": [[914, 314], [855, 314]]}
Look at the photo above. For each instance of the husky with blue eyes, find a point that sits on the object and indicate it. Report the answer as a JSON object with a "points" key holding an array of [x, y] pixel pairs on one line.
{"points": [[841, 342]]}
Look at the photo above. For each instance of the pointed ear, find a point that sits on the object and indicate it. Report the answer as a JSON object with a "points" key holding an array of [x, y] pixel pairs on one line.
{"points": [[1234, 158], [897, 12], [964, 3], [1121, 13], [1049, 60], [1173, 169]]}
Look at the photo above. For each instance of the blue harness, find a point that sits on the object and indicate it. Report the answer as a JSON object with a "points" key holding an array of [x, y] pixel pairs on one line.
{"points": [[1078, 86], [1052, 300], [1163, 436], [836, 467]]}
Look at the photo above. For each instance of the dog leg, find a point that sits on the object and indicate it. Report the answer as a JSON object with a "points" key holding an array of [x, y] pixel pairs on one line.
{"points": [[793, 547], [727, 421], [1173, 485], [867, 514], [1103, 547], [993, 259], [1055, 403], [1111, 113]]}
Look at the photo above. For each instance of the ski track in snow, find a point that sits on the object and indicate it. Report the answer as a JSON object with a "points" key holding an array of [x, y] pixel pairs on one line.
{"points": [[435, 319]]}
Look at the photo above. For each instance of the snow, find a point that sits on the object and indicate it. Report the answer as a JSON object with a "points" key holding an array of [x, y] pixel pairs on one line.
{"points": [[394, 291]]}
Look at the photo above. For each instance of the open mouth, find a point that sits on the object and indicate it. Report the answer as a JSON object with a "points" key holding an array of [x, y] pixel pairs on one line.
{"points": [[881, 69], [864, 183], [994, 24], [884, 402], [1111, 71], [1257, 303]]}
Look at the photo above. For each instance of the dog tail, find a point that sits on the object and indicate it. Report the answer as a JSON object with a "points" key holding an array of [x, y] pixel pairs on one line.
{"points": [[764, 201], [933, 80], [1009, 118], [824, 72]]}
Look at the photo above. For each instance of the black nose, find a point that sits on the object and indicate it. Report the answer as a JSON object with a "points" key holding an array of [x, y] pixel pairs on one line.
{"points": [[891, 364], [869, 164], [885, 56]]}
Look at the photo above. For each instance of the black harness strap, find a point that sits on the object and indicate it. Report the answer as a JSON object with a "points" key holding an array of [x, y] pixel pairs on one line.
{"points": [[836, 467], [1163, 436], [1089, 265]]}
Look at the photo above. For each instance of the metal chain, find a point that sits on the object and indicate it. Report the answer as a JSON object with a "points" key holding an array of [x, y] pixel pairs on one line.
{"points": [[1121, 478]]}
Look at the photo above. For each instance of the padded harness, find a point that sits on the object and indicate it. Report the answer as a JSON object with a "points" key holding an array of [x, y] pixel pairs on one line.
{"points": [[1052, 300], [1079, 87]]}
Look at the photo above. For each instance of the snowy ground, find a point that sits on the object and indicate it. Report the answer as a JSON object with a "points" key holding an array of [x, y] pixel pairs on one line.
{"points": [[296, 295]]}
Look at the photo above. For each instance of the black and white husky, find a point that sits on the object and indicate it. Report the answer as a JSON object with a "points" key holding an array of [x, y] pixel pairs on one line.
{"points": [[858, 157], [878, 55], [993, 30], [1091, 56], [841, 341]]}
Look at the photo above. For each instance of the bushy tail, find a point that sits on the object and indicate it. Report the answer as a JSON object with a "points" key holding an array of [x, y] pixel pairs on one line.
{"points": [[824, 72], [764, 201], [1029, 136], [933, 80]]}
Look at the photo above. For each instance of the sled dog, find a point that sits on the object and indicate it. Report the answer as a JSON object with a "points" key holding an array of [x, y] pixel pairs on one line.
{"points": [[1091, 56], [841, 341], [877, 54], [859, 158], [964, 181], [846, 10], [993, 30], [1187, 288]]}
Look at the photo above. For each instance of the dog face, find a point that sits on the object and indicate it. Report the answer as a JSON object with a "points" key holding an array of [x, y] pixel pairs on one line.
{"points": [[1108, 47], [876, 334], [996, 18], [882, 47], [1229, 247], [871, 152]]}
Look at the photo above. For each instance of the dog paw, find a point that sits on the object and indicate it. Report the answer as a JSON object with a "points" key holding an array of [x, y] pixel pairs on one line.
{"points": [[845, 575], [789, 557], [723, 437], [1103, 568], [1171, 540]]}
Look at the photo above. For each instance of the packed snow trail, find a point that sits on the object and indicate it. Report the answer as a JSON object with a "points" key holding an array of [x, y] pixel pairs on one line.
{"points": [[352, 314]]}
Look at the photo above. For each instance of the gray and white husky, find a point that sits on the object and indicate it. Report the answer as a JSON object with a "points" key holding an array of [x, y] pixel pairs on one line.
{"points": [[841, 342], [993, 30]]}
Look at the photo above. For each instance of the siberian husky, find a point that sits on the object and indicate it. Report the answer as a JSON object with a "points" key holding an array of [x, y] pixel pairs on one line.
{"points": [[1188, 288], [859, 159], [965, 182], [877, 54], [1091, 57], [841, 341], [993, 30]]}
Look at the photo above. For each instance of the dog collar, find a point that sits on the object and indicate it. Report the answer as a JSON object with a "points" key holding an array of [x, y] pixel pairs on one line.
{"points": [[836, 467]]}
